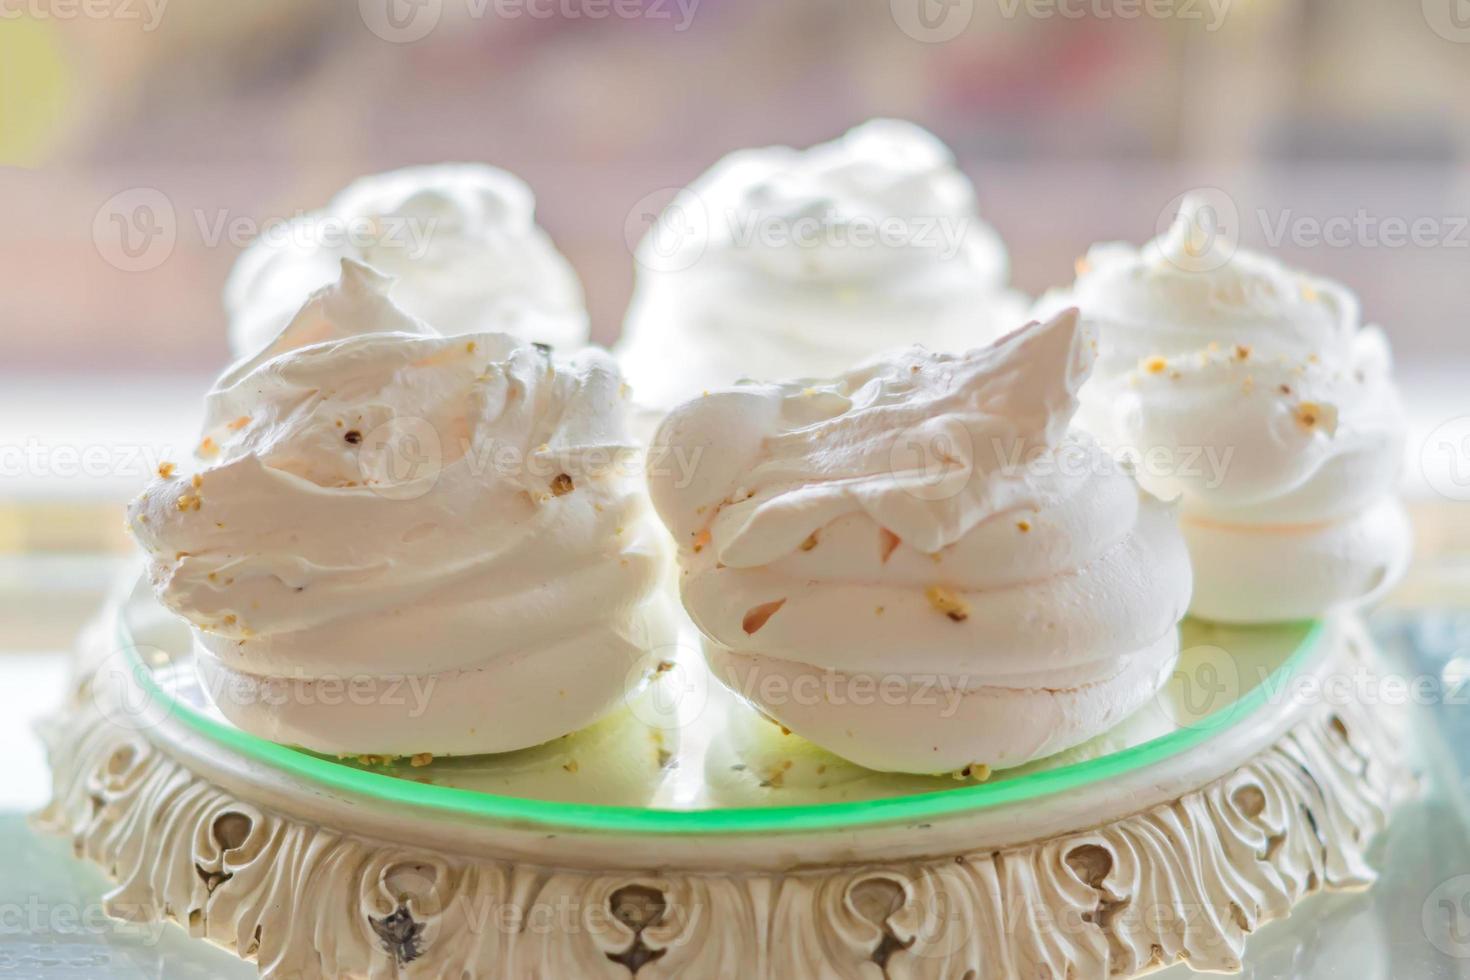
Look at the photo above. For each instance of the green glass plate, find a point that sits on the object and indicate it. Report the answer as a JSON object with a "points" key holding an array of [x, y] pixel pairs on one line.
{"points": [[652, 768]]}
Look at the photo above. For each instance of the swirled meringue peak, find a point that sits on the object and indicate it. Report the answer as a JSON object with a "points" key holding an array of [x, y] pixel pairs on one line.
{"points": [[780, 263], [461, 239], [396, 542], [917, 565], [1252, 393]]}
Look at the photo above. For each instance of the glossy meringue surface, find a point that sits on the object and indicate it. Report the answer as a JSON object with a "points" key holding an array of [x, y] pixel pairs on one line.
{"points": [[780, 263], [930, 518], [1253, 394], [463, 511], [461, 239]]}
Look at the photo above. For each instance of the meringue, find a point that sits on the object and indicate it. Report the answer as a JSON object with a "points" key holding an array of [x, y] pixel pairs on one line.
{"points": [[780, 263], [917, 565], [1251, 393], [461, 238], [397, 542]]}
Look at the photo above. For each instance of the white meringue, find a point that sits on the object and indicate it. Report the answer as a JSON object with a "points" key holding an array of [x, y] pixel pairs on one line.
{"points": [[398, 542], [461, 239], [780, 263], [928, 527], [1250, 392]]}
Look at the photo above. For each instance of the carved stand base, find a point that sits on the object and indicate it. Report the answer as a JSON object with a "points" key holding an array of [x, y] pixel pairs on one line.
{"points": [[1178, 863]]}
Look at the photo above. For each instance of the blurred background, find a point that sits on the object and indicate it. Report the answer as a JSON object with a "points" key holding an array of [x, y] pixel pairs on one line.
{"points": [[143, 141]]}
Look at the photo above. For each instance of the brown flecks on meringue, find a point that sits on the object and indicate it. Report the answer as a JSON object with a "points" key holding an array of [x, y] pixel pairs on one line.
{"points": [[165, 470], [1242, 352], [945, 601], [978, 771], [1284, 389], [571, 766], [352, 436], [777, 774], [421, 760], [561, 485], [758, 616], [1312, 416], [1023, 526], [701, 539], [887, 543], [810, 542]]}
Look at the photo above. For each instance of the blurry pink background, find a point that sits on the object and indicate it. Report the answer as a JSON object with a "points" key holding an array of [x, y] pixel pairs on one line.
{"points": [[1074, 128]]}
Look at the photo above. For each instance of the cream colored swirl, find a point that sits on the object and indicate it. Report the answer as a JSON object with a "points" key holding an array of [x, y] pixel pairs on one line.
{"points": [[461, 239], [780, 263], [1250, 392], [462, 510], [928, 514]]}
